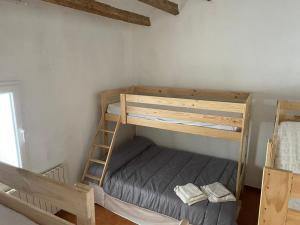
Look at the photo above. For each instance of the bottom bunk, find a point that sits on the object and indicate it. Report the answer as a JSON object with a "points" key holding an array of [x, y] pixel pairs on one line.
{"points": [[144, 175]]}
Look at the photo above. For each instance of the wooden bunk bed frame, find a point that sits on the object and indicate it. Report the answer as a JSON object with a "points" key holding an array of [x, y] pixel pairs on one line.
{"points": [[78, 200], [237, 103], [279, 186]]}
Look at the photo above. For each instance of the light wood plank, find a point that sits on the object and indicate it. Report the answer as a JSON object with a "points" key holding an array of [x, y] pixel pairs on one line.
{"points": [[113, 141], [187, 103], [190, 92], [123, 108], [64, 196], [111, 117], [210, 132], [289, 105], [293, 217], [270, 155], [36, 215], [105, 10], [275, 194], [164, 5], [295, 193], [195, 117]]}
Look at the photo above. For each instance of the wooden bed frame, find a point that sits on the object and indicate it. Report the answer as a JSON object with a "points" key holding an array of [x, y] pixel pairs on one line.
{"points": [[279, 186], [78, 200], [222, 102]]}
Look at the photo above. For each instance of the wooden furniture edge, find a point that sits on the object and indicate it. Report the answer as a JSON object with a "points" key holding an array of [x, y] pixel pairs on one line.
{"points": [[33, 213], [244, 146], [192, 92], [76, 200], [274, 204]]}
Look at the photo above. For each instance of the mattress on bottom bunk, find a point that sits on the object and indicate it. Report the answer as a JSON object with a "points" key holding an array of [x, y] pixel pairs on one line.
{"points": [[115, 109], [11, 217], [144, 174]]}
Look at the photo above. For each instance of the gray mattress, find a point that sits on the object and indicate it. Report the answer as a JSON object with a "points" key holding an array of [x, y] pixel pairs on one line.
{"points": [[144, 174]]}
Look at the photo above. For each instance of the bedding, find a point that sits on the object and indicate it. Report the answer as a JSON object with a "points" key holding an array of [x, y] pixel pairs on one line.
{"points": [[11, 217], [144, 174], [288, 152], [115, 109]]}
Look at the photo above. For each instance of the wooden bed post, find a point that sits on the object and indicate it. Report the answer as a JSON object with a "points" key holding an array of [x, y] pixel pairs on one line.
{"points": [[88, 214], [123, 108], [243, 147], [78, 200]]}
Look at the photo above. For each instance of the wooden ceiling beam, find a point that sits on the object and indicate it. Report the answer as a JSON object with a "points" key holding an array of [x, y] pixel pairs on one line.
{"points": [[164, 5], [105, 10]]}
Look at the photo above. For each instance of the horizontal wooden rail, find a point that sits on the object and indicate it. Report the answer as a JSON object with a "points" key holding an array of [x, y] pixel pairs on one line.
{"points": [[287, 105], [204, 131], [75, 200], [35, 214], [187, 103], [293, 217], [184, 92], [194, 117]]}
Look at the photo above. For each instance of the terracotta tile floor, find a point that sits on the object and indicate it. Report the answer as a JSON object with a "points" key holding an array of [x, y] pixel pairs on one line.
{"points": [[248, 214]]}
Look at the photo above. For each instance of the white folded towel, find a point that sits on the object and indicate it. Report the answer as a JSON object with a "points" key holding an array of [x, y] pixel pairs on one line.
{"points": [[190, 194], [216, 192]]}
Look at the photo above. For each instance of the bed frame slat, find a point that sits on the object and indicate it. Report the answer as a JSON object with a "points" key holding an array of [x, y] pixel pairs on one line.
{"points": [[33, 213], [295, 192], [293, 217], [184, 92], [187, 103], [194, 117], [73, 199], [229, 135]]}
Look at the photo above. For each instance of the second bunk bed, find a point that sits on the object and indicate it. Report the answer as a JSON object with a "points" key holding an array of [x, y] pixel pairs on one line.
{"points": [[280, 193], [136, 180]]}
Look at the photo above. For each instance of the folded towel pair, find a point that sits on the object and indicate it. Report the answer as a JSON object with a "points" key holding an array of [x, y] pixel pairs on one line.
{"points": [[190, 194], [216, 192]]}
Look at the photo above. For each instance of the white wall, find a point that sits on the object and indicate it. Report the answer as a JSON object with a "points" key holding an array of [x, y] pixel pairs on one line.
{"points": [[242, 45], [63, 58]]}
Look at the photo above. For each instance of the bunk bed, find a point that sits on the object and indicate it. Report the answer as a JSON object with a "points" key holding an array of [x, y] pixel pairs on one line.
{"points": [[137, 180], [280, 193], [78, 200]]}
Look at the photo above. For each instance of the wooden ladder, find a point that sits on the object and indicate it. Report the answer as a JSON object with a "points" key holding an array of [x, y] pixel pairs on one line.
{"points": [[108, 148]]}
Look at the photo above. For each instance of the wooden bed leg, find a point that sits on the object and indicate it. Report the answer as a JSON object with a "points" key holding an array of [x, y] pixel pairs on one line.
{"points": [[87, 216]]}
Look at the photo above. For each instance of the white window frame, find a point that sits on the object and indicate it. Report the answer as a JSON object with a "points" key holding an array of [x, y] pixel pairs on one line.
{"points": [[13, 87]]}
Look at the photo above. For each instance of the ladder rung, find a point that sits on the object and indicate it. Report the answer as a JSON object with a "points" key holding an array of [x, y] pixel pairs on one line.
{"points": [[107, 131], [92, 177], [97, 161], [102, 146]]}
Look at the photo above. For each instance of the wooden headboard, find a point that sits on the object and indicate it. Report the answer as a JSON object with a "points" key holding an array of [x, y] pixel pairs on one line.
{"points": [[78, 200]]}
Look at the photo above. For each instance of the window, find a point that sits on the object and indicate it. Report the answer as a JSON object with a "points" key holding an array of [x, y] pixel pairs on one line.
{"points": [[10, 143]]}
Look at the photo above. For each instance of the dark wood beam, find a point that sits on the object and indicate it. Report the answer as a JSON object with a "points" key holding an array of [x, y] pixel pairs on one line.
{"points": [[164, 5], [102, 9]]}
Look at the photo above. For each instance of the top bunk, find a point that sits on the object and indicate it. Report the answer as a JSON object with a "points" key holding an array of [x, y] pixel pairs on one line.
{"points": [[283, 147], [218, 114]]}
